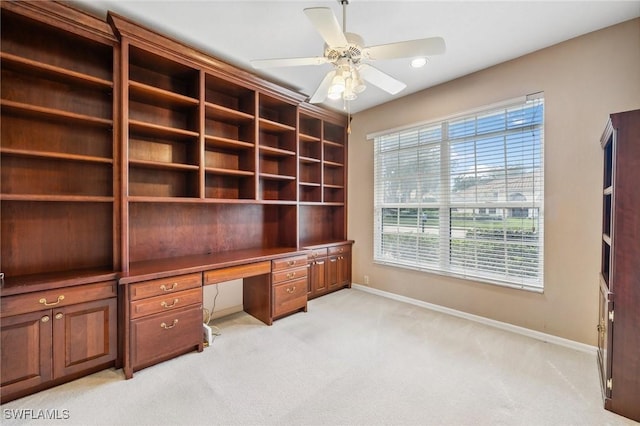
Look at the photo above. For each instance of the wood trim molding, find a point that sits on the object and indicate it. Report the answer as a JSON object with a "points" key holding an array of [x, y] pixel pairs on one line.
{"points": [[64, 15], [124, 27]]}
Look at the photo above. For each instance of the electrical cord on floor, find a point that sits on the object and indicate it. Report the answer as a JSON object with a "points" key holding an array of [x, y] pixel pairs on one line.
{"points": [[209, 313]]}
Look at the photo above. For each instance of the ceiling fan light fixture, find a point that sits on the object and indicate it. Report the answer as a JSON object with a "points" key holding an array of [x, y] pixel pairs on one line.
{"points": [[337, 87], [349, 94], [349, 56], [419, 62]]}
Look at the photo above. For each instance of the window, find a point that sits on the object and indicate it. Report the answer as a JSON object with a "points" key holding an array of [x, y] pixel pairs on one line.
{"points": [[465, 196]]}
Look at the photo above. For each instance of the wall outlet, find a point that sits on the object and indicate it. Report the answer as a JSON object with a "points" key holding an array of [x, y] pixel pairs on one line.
{"points": [[366, 279]]}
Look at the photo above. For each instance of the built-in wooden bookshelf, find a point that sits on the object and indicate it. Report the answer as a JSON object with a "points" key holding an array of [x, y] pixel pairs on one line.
{"points": [[59, 196], [125, 150]]}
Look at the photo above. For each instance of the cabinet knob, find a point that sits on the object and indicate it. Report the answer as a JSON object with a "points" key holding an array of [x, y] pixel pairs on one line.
{"points": [[59, 316], [165, 288], [45, 303], [166, 305], [45, 318], [167, 327]]}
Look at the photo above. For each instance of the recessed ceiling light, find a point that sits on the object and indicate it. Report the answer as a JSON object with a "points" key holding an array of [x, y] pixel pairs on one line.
{"points": [[418, 62]]}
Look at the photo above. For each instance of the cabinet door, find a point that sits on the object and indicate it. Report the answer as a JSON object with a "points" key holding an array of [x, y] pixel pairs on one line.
{"points": [[344, 270], [332, 272], [84, 336], [26, 351], [318, 277]]}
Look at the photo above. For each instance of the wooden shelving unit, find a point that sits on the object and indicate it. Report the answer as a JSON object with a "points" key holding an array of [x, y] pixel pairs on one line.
{"points": [[56, 95], [619, 318], [124, 150], [60, 196]]}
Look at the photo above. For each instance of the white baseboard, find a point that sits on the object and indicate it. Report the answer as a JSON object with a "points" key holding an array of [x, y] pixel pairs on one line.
{"points": [[549, 338], [227, 311]]}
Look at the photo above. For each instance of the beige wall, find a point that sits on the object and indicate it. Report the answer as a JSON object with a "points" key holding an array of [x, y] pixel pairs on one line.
{"points": [[583, 79]]}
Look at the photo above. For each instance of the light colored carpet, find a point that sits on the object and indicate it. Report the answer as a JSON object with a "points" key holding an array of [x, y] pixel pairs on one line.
{"points": [[354, 359]]}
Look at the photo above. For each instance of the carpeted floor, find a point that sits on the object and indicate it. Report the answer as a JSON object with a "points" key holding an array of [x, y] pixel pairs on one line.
{"points": [[354, 359]]}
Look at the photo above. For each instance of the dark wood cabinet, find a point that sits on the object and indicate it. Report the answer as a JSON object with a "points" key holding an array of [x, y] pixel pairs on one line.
{"points": [[164, 320], [27, 352], [289, 281], [329, 268], [44, 347], [619, 321], [317, 265], [59, 195]]}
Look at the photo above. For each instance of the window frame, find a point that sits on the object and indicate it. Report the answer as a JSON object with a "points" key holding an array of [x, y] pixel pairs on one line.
{"points": [[446, 205]]}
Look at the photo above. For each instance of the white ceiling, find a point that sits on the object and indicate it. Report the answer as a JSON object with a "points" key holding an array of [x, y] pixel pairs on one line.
{"points": [[478, 34]]}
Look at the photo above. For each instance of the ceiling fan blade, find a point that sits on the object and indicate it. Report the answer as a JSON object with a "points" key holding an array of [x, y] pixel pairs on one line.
{"points": [[288, 62], [326, 23], [406, 49], [323, 89], [380, 79]]}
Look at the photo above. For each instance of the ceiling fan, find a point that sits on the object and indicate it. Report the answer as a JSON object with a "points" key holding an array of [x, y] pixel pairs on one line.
{"points": [[349, 57]]}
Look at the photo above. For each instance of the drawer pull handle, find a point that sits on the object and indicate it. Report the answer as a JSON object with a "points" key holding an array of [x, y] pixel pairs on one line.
{"points": [[166, 305], [59, 316], [167, 327], [291, 274], [290, 289], [45, 318], [165, 288], [291, 262], [45, 303]]}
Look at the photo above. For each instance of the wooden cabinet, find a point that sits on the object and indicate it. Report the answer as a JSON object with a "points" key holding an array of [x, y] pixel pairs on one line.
{"points": [[329, 268], [125, 150], [59, 195], [289, 281], [619, 321], [317, 266], [339, 266], [165, 320], [53, 336]]}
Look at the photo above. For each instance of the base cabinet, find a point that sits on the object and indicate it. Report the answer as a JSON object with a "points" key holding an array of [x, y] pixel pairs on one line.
{"points": [[47, 347], [290, 284], [329, 269], [164, 320]]}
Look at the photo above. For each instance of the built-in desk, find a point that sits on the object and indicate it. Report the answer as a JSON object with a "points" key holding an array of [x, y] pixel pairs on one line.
{"points": [[162, 299]]}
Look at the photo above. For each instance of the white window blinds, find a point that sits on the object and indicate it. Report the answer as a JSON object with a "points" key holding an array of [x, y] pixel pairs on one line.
{"points": [[465, 196]]}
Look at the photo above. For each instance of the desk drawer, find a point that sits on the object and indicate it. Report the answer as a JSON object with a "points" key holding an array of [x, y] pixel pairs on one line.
{"points": [[164, 286], [289, 297], [164, 303], [289, 262], [341, 249], [158, 337], [315, 253], [235, 272], [289, 274], [39, 300]]}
